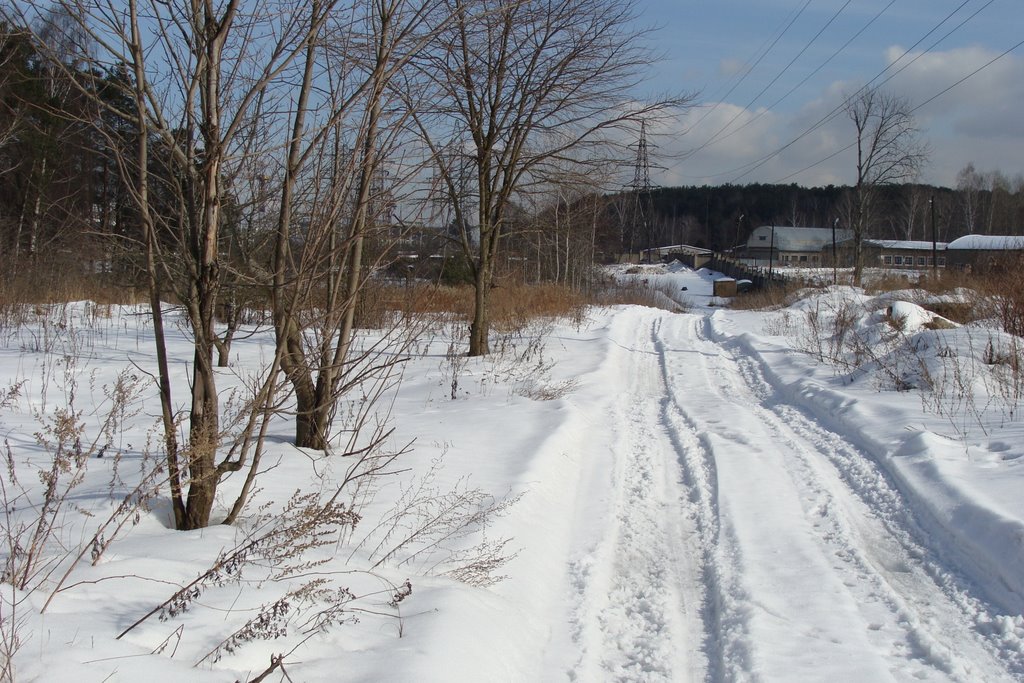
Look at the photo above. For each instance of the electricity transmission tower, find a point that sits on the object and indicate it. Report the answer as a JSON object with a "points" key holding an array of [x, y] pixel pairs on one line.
{"points": [[640, 189]]}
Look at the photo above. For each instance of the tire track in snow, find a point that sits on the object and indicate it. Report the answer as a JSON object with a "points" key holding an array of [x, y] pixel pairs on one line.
{"points": [[874, 529], [887, 589], [638, 591], [717, 553]]}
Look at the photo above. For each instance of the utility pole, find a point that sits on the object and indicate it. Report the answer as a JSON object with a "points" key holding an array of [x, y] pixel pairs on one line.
{"points": [[935, 247], [835, 275]]}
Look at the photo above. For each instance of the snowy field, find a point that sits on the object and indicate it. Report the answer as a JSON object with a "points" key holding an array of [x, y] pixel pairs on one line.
{"points": [[826, 492]]}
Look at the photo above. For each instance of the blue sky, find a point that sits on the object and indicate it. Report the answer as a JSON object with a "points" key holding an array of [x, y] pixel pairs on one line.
{"points": [[708, 46]]}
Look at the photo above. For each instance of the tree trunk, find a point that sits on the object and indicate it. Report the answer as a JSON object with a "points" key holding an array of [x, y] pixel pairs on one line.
{"points": [[286, 328], [223, 351], [478, 330], [204, 433], [860, 216], [313, 426], [319, 415], [153, 280], [204, 421]]}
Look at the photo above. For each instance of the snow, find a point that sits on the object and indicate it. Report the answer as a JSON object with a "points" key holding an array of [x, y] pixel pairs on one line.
{"points": [[827, 491], [916, 245], [987, 242]]}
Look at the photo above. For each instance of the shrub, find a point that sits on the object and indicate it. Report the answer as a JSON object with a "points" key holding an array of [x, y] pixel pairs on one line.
{"points": [[770, 298]]}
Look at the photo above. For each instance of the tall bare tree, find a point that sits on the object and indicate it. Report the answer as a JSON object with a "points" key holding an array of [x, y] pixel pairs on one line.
{"points": [[12, 60], [909, 213], [518, 88], [888, 151], [336, 167], [287, 135], [205, 97], [969, 186]]}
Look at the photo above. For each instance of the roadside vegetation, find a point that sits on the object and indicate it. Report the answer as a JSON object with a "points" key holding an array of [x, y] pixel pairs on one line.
{"points": [[954, 340], [213, 275]]}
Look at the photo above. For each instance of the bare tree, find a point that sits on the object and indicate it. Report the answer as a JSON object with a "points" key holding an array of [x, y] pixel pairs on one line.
{"points": [[200, 88], [332, 180], [11, 114], [888, 151], [999, 196], [969, 185], [564, 226], [287, 135], [909, 213], [224, 84], [43, 117], [519, 87], [14, 55]]}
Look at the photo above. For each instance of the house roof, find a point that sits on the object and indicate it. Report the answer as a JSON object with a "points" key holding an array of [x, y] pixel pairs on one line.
{"points": [[680, 249], [915, 245], [988, 242], [794, 238]]}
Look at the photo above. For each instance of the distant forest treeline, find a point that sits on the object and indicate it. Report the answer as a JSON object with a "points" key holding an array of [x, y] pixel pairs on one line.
{"points": [[65, 200], [719, 217]]}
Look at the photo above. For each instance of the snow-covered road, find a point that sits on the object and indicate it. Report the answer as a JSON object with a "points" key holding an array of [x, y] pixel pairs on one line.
{"points": [[686, 497], [723, 534]]}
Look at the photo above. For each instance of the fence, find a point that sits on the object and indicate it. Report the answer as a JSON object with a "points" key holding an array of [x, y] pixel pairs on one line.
{"points": [[759, 276]]}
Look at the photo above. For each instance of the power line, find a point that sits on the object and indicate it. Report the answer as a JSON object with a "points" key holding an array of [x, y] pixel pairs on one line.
{"points": [[805, 78], [914, 109], [970, 75], [753, 166], [711, 140], [748, 68], [749, 167]]}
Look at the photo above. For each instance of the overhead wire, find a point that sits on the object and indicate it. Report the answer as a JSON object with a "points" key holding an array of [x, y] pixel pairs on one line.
{"points": [[751, 166], [711, 140], [758, 163], [913, 110], [748, 68], [970, 75], [804, 80]]}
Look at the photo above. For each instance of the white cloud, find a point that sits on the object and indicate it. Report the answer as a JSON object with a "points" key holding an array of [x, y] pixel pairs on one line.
{"points": [[728, 144], [986, 105], [727, 68], [980, 120]]}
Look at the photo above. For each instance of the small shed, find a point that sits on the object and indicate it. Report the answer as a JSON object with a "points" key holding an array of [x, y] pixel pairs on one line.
{"points": [[694, 257], [724, 286]]}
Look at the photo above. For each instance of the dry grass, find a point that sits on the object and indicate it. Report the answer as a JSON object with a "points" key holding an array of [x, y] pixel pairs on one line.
{"points": [[945, 282], [1001, 296], [512, 307], [768, 298], [509, 306], [960, 312], [60, 283], [889, 281], [28, 296]]}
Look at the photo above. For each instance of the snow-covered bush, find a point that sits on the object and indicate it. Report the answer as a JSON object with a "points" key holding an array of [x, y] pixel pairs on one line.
{"points": [[970, 374]]}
